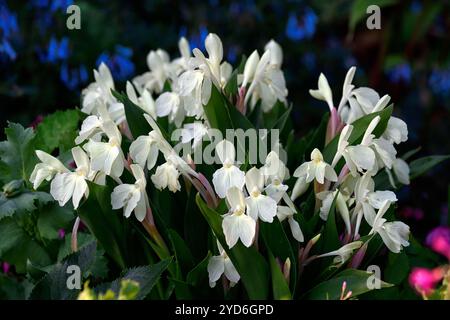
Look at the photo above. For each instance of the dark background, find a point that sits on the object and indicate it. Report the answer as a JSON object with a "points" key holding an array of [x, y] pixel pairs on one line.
{"points": [[44, 65]]}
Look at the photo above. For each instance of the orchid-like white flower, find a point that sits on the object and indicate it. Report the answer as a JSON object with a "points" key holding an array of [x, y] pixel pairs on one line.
{"points": [[144, 150], [327, 198], [107, 156], [194, 132], [194, 88], [181, 64], [229, 175], [73, 185], [343, 253], [166, 176], [401, 170], [236, 223], [169, 104], [283, 213], [221, 264], [323, 92], [258, 205], [250, 68], [367, 199], [396, 130], [131, 197], [300, 187], [99, 93], [268, 83], [316, 169], [145, 101], [276, 53], [275, 172], [159, 64], [394, 234], [47, 169]]}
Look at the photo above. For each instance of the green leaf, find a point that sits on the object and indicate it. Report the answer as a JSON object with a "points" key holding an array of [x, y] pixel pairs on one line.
{"points": [[135, 116], [199, 274], [17, 153], [250, 265], [216, 112], [183, 255], [52, 218], [58, 130], [17, 246], [423, 165], [24, 202], [330, 236], [356, 280], [106, 224], [279, 286], [54, 285], [397, 268], [146, 276]]}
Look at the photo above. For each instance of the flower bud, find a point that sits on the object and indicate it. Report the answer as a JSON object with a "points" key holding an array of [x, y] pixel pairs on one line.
{"points": [[439, 241]]}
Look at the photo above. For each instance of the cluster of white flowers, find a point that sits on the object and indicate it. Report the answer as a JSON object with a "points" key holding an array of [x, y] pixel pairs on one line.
{"points": [[354, 189], [183, 87]]}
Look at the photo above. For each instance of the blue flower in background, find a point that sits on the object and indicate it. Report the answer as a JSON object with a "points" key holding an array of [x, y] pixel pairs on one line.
{"points": [[304, 28], [8, 29], [119, 63], [400, 73], [439, 82], [73, 77], [56, 51], [53, 5], [197, 40]]}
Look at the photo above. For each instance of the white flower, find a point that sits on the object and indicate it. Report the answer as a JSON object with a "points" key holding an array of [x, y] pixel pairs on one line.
{"points": [[327, 198], [316, 169], [401, 170], [144, 150], [275, 172], [394, 234], [276, 53], [343, 253], [47, 169], [182, 64], [323, 92], [159, 64], [73, 185], [283, 213], [194, 132], [396, 130], [229, 175], [367, 200], [221, 264], [236, 224], [145, 101], [169, 104], [300, 188], [258, 205], [131, 196], [107, 156], [250, 68], [166, 176], [194, 88], [268, 83], [98, 91]]}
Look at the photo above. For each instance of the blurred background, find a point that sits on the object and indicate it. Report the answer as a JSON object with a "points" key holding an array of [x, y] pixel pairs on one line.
{"points": [[44, 66]]}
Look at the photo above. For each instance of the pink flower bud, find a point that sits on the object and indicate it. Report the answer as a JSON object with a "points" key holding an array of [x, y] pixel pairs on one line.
{"points": [[424, 280], [439, 241], [5, 267]]}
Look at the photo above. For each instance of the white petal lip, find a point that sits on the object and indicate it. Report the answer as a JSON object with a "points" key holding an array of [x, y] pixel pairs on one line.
{"points": [[216, 267], [226, 178], [237, 227], [226, 152]]}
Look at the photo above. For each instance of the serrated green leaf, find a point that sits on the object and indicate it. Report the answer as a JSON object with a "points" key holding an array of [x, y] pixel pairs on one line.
{"points": [[24, 202], [17, 153], [58, 130], [145, 276], [52, 218]]}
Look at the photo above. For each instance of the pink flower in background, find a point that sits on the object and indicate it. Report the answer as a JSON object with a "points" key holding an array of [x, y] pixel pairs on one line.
{"points": [[36, 121], [439, 241], [5, 267], [412, 213], [424, 280], [61, 233]]}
